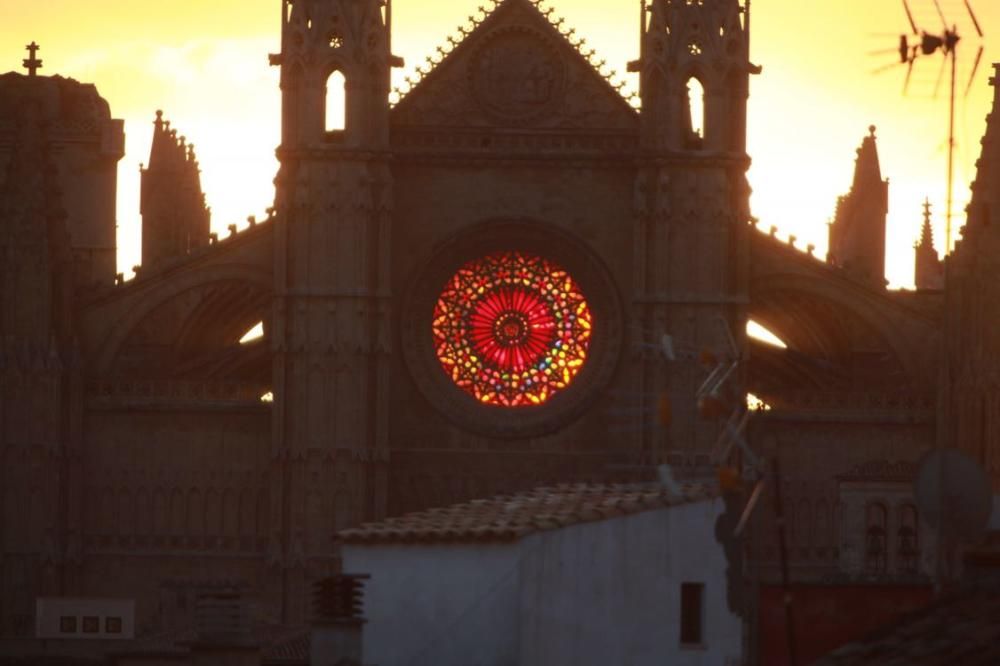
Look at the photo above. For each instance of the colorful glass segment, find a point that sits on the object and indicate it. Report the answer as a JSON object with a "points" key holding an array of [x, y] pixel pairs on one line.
{"points": [[512, 329]]}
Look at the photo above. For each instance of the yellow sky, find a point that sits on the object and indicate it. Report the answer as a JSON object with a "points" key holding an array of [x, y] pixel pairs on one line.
{"points": [[205, 64]]}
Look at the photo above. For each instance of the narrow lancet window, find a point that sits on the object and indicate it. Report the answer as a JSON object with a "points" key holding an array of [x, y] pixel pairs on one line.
{"points": [[336, 103], [696, 111]]}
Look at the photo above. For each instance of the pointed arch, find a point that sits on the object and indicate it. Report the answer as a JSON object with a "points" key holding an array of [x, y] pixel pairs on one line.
{"points": [[694, 112], [335, 108], [876, 546]]}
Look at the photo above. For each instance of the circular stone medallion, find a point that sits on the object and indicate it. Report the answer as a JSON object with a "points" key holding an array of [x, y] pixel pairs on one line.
{"points": [[517, 74]]}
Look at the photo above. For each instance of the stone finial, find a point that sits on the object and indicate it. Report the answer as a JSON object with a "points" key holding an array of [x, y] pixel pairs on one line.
{"points": [[926, 231], [31, 63]]}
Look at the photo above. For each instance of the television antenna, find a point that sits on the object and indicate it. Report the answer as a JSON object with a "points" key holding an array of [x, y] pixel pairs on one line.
{"points": [[922, 43]]}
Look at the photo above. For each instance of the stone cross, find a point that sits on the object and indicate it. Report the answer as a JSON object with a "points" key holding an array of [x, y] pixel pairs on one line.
{"points": [[32, 64]]}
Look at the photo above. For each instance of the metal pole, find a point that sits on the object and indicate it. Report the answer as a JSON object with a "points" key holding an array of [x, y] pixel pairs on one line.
{"points": [[783, 554], [951, 156]]}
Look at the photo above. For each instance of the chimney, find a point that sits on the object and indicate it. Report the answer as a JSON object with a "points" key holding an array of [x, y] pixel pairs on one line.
{"points": [[222, 625], [336, 638]]}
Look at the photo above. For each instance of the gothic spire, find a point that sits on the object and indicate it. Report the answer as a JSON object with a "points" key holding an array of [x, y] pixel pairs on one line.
{"points": [[867, 171], [174, 216], [928, 270], [926, 232], [857, 234]]}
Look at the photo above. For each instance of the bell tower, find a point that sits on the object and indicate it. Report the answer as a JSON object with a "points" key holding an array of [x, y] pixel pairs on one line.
{"points": [[324, 42], [330, 338], [694, 72], [692, 199]]}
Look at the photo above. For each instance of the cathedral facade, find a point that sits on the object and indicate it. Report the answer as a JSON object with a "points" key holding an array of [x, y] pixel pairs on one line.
{"points": [[464, 292]]}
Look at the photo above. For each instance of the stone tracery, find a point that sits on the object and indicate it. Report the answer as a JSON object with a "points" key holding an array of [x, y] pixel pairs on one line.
{"points": [[512, 329]]}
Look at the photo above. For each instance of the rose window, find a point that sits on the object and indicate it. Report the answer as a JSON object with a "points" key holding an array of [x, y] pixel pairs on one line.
{"points": [[512, 329]]}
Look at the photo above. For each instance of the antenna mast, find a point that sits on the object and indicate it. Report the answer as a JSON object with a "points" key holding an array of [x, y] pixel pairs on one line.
{"points": [[946, 43]]}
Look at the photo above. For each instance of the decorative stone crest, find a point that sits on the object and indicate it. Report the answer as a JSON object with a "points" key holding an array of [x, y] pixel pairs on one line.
{"points": [[517, 74]]}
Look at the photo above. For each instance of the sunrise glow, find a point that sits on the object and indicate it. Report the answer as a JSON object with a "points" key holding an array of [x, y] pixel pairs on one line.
{"points": [[205, 65]]}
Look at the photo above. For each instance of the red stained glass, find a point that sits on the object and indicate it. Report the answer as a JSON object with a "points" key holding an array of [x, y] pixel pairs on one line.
{"points": [[512, 329]]}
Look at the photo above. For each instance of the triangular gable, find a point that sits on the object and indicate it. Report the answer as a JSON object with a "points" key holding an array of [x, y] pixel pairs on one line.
{"points": [[515, 69]]}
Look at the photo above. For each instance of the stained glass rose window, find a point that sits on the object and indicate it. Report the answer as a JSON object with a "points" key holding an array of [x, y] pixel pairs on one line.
{"points": [[512, 329]]}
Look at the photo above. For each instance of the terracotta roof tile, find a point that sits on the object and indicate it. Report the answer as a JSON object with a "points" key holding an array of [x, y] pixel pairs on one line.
{"points": [[509, 517], [963, 628]]}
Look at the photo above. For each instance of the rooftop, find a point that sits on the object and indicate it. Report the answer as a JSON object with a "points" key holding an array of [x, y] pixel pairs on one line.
{"points": [[963, 628], [510, 517]]}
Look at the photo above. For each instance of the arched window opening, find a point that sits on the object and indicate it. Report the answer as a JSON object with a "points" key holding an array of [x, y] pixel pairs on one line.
{"points": [[695, 92], [336, 103], [255, 333], [908, 539], [758, 332], [875, 543]]}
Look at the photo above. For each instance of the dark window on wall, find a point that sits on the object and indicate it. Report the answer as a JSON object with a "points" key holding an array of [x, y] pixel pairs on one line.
{"points": [[908, 546], [692, 613], [91, 624], [875, 538], [67, 624], [112, 625]]}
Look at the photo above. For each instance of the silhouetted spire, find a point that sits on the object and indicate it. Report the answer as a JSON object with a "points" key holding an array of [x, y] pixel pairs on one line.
{"points": [[857, 234], [928, 271], [926, 233], [174, 216], [866, 168]]}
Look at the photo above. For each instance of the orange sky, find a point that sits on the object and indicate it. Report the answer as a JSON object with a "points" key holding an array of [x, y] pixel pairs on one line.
{"points": [[205, 64]]}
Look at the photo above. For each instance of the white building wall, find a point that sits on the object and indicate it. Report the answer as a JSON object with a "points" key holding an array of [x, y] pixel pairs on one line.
{"points": [[446, 605], [605, 593], [608, 592]]}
